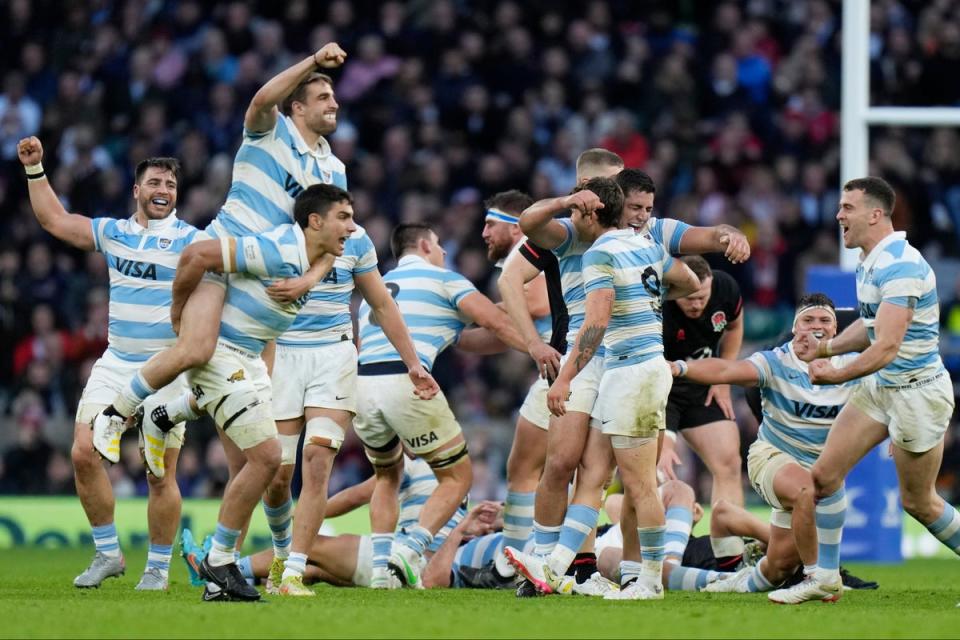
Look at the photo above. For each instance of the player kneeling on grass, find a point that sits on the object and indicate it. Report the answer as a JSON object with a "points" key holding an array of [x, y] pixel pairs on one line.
{"points": [[797, 416], [436, 304]]}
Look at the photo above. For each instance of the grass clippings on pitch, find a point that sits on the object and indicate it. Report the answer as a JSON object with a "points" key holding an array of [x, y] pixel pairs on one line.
{"points": [[37, 599]]}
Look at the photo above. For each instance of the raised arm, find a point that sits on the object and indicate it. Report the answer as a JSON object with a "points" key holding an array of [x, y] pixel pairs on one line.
{"points": [[263, 109], [717, 371], [76, 230], [483, 312], [388, 316], [537, 221], [719, 239], [517, 272]]}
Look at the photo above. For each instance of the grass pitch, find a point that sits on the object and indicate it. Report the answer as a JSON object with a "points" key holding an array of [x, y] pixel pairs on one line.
{"points": [[37, 599]]}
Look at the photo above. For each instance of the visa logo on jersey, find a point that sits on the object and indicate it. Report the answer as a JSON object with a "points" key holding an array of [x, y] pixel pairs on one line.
{"points": [[807, 410], [135, 269]]}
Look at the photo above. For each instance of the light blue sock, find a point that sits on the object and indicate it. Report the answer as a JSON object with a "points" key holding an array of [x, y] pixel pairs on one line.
{"points": [[946, 528], [418, 538], [757, 582], [652, 551], [577, 525], [246, 567], [382, 543], [517, 518], [629, 570], [106, 541], [689, 578], [279, 519], [158, 557], [223, 549], [544, 538], [295, 564], [131, 396], [679, 525], [830, 514]]}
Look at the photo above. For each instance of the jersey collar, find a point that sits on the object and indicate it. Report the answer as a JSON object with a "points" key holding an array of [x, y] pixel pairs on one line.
{"points": [[868, 261], [410, 257], [322, 150], [155, 225]]}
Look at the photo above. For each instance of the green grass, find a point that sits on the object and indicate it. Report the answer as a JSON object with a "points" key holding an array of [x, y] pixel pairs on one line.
{"points": [[37, 599]]}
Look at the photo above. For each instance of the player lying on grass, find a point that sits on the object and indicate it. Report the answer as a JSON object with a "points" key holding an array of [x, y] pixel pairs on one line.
{"points": [[347, 559], [797, 415]]}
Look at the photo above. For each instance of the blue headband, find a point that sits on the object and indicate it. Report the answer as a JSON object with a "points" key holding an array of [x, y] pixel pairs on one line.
{"points": [[496, 214]]}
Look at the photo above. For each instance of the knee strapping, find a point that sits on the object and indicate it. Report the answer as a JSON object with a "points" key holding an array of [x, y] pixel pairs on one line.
{"points": [[239, 409], [630, 442], [288, 448], [386, 455], [448, 457], [324, 432]]}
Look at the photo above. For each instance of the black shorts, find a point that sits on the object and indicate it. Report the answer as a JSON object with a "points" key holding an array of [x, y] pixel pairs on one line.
{"points": [[699, 554], [685, 407]]}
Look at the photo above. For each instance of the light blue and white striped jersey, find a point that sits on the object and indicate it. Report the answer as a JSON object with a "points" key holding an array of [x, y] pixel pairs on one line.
{"points": [[250, 318], [325, 318], [142, 263], [429, 299], [665, 231], [569, 257], [895, 272], [416, 486], [633, 267], [797, 414], [270, 170], [478, 552], [543, 324]]}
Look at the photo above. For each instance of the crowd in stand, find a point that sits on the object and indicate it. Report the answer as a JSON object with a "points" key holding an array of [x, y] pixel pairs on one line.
{"points": [[732, 107]]}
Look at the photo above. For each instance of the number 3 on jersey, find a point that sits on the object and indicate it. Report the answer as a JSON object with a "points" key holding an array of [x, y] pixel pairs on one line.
{"points": [[394, 290]]}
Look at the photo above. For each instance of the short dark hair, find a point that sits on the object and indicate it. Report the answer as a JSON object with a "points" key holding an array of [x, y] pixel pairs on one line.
{"points": [[631, 180], [611, 196], [877, 189], [318, 198], [815, 300], [166, 164], [699, 266], [598, 157], [513, 202], [299, 94], [406, 236]]}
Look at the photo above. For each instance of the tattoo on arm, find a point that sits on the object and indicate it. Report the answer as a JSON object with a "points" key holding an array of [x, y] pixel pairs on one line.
{"points": [[588, 343]]}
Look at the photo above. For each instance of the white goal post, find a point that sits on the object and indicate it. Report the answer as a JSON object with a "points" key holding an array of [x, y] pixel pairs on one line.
{"points": [[856, 114]]}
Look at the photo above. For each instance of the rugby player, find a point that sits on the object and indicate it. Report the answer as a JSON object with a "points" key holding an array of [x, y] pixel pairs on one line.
{"points": [[233, 387], [141, 253], [905, 393], [436, 304]]}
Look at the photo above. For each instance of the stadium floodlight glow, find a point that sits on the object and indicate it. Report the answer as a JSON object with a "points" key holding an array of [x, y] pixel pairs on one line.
{"points": [[856, 114]]}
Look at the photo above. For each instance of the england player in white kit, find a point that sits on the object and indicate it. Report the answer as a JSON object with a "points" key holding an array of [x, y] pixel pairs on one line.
{"points": [[281, 155], [233, 386], [436, 304], [797, 416], [905, 392], [142, 253]]}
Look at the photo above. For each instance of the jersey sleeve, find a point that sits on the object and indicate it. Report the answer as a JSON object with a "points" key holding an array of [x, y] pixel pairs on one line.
{"points": [[569, 240], [901, 282], [597, 270], [278, 128], [537, 255], [261, 256], [729, 289], [457, 288], [761, 361], [367, 259], [99, 226], [669, 233]]}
